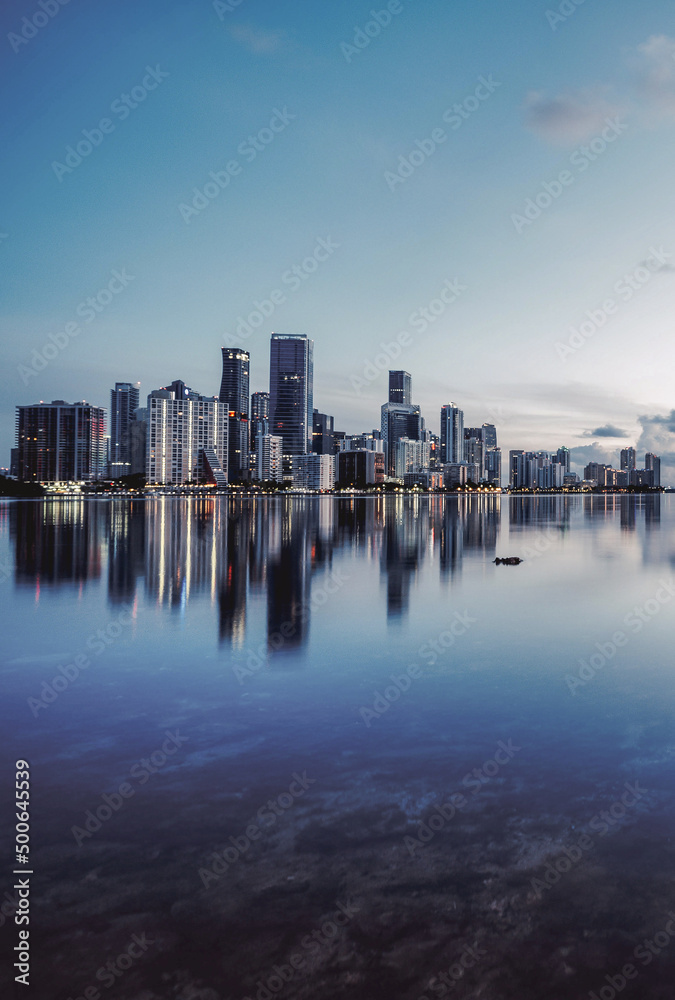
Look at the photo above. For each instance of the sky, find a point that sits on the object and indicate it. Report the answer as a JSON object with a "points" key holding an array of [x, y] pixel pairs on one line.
{"points": [[481, 194]]}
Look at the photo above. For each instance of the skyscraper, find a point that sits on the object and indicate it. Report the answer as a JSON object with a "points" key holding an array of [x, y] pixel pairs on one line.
{"points": [[123, 405], [292, 391], [452, 434], [60, 442], [489, 436], [400, 388], [234, 394], [323, 442], [186, 437], [399, 421], [653, 464], [628, 458]]}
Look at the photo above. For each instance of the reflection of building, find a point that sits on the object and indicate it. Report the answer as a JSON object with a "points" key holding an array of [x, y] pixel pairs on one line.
{"points": [[60, 442], [187, 437], [60, 542], [234, 395], [126, 549], [292, 391]]}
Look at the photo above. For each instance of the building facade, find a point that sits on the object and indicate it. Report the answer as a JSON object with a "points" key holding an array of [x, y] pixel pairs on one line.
{"points": [[452, 434], [234, 395], [268, 459], [124, 400], [187, 437], [292, 391], [60, 442], [314, 472]]}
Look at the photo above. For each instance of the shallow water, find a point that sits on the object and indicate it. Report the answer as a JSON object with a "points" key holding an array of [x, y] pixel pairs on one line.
{"points": [[373, 650]]}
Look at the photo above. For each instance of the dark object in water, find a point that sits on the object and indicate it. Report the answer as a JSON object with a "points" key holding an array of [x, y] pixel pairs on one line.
{"points": [[509, 561]]}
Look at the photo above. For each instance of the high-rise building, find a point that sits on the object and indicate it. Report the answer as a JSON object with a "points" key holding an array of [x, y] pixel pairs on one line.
{"points": [[562, 457], [653, 464], [360, 468], [595, 471], [268, 458], [60, 442], [489, 436], [186, 437], [493, 466], [259, 423], [411, 457], [124, 400], [314, 472], [234, 394], [292, 391], [474, 446], [627, 458], [400, 388], [399, 421], [452, 434], [322, 434]]}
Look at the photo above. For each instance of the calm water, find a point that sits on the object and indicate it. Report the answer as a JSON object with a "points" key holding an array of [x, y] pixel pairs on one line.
{"points": [[221, 655]]}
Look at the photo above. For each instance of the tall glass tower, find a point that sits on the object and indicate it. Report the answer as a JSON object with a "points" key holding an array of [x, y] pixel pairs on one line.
{"points": [[400, 387], [292, 391], [234, 393], [452, 434], [124, 399]]}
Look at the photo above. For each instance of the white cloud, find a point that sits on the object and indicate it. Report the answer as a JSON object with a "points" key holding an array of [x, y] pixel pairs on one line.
{"points": [[655, 66]]}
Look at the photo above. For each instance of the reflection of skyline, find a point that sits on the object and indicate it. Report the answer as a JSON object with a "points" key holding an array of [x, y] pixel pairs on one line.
{"points": [[246, 550]]}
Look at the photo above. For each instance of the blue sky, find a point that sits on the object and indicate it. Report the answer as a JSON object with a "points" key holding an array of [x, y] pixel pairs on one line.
{"points": [[331, 171]]}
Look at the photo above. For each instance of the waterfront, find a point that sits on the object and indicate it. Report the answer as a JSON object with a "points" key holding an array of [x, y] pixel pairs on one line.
{"points": [[435, 734]]}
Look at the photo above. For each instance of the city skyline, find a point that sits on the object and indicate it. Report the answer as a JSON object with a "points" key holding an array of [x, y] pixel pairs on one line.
{"points": [[456, 441], [543, 304]]}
